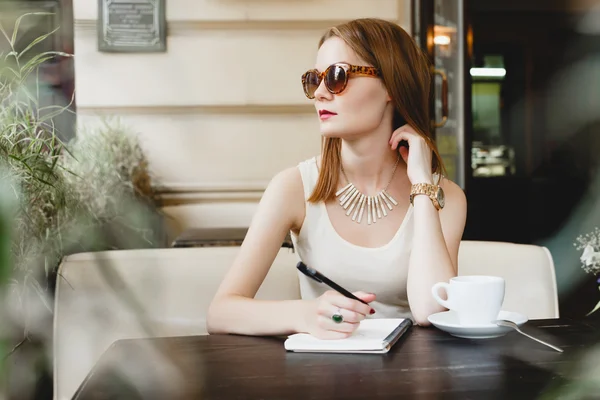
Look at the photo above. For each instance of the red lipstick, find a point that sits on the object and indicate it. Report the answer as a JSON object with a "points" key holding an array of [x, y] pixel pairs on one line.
{"points": [[326, 114]]}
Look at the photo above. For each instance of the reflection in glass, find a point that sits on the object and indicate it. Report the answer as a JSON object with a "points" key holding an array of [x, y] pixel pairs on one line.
{"points": [[448, 63], [490, 155]]}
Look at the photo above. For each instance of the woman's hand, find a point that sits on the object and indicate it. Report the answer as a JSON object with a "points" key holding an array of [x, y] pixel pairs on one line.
{"points": [[417, 157], [318, 316]]}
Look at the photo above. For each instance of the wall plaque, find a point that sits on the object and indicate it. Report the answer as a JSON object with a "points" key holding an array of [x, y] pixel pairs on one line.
{"points": [[131, 26]]}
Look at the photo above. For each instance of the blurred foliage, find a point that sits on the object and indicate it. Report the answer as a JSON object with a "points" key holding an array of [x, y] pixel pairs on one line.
{"points": [[89, 194]]}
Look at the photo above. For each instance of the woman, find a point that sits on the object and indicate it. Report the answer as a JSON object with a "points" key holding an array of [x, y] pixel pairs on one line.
{"points": [[349, 210]]}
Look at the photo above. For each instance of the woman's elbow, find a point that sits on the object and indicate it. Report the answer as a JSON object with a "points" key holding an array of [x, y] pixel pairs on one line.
{"points": [[421, 318], [211, 327], [214, 324]]}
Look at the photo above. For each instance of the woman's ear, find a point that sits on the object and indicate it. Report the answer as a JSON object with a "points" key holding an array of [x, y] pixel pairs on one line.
{"points": [[403, 150], [388, 98]]}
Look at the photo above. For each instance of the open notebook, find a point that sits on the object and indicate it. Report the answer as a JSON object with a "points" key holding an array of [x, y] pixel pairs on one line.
{"points": [[376, 335]]}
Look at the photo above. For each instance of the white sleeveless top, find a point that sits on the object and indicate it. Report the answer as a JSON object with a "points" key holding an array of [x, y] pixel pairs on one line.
{"points": [[380, 270]]}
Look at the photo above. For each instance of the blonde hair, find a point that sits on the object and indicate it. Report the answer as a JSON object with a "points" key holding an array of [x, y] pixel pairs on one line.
{"points": [[405, 72]]}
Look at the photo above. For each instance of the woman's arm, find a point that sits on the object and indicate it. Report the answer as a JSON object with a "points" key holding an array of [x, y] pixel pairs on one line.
{"points": [[233, 309], [437, 234], [434, 256]]}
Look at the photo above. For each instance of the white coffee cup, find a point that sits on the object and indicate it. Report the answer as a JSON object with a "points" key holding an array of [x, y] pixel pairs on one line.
{"points": [[476, 299]]}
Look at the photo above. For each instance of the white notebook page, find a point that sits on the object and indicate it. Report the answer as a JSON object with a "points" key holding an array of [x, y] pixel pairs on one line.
{"points": [[369, 336]]}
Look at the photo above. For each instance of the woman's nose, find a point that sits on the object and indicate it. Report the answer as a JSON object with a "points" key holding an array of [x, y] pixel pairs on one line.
{"points": [[322, 93]]}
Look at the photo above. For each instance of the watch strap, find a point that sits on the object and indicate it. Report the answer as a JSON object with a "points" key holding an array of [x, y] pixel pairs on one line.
{"points": [[427, 189]]}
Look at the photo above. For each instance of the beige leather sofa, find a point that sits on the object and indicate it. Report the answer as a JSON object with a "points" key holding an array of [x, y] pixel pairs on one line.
{"points": [[106, 296]]}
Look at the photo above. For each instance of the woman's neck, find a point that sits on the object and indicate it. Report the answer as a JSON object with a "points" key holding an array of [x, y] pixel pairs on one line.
{"points": [[368, 161]]}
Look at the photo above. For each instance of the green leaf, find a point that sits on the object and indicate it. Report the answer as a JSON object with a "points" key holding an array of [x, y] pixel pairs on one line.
{"points": [[37, 60], [36, 41], [18, 22], [42, 293], [52, 114], [14, 72], [13, 40], [11, 53], [594, 310], [4, 33], [29, 96]]}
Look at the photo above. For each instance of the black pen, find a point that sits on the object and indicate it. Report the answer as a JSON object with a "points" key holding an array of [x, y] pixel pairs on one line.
{"points": [[319, 277]]}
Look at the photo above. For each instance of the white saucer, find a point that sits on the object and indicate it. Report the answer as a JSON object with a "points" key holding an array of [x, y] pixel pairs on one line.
{"points": [[448, 322]]}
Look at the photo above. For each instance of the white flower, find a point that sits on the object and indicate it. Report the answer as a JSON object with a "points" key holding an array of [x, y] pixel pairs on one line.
{"points": [[590, 244], [590, 257]]}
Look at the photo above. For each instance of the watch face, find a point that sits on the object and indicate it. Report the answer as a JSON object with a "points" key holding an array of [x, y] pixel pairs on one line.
{"points": [[441, 198]]}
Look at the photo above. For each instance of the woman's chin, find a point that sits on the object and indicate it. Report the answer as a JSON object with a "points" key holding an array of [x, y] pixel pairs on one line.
{"points": [[329, 132], [344, 131]]}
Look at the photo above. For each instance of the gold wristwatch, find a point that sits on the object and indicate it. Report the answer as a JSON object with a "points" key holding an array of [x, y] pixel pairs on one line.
{"points": [[435, 193]]}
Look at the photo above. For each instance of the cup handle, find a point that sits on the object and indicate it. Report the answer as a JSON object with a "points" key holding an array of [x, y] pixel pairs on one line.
{"points": [[435, 292]]}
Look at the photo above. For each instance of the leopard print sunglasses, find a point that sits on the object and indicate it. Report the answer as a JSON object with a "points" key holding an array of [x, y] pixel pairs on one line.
{"points": [[336, 77]]}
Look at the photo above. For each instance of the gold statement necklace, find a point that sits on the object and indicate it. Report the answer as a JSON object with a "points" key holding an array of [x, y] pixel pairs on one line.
{"points": [[352, 199]]}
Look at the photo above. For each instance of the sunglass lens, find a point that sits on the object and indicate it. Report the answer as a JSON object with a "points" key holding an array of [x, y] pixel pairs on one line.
{"points": [[311, 83], [336, 79]]}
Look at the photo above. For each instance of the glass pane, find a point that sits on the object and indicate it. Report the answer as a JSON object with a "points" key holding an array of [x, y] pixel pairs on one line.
{"points": [[490, 154], [448, 41]]}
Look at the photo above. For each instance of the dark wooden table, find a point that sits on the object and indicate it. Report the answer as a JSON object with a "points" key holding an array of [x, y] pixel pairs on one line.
{"points": [[201, 237], [426, 364]]}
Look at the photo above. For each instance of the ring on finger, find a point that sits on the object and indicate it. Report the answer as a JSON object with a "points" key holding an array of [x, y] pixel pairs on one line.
{"points": [[337, 317]]}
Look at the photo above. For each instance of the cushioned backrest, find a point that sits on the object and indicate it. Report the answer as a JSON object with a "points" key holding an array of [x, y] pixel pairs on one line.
{"points": [[527, 269], [99, 296]]}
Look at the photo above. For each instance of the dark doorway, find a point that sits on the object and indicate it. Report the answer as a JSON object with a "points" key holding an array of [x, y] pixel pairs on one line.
{"points": [[541, 121]]}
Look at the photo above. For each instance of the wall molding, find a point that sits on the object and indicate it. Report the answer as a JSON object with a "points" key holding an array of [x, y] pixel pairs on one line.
{"points": [[178, 27], [211, 187], [234, 109], [180, 199], [174, 194]]}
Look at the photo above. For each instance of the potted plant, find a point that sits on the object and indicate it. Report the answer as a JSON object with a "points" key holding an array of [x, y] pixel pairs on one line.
{"points": [[91, 193]]}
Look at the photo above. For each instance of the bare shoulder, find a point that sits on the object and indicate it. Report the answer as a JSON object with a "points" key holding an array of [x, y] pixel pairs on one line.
{"points": [[288, 178], [287, 184], [286, 192], [454, 194], [454, 214]]}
